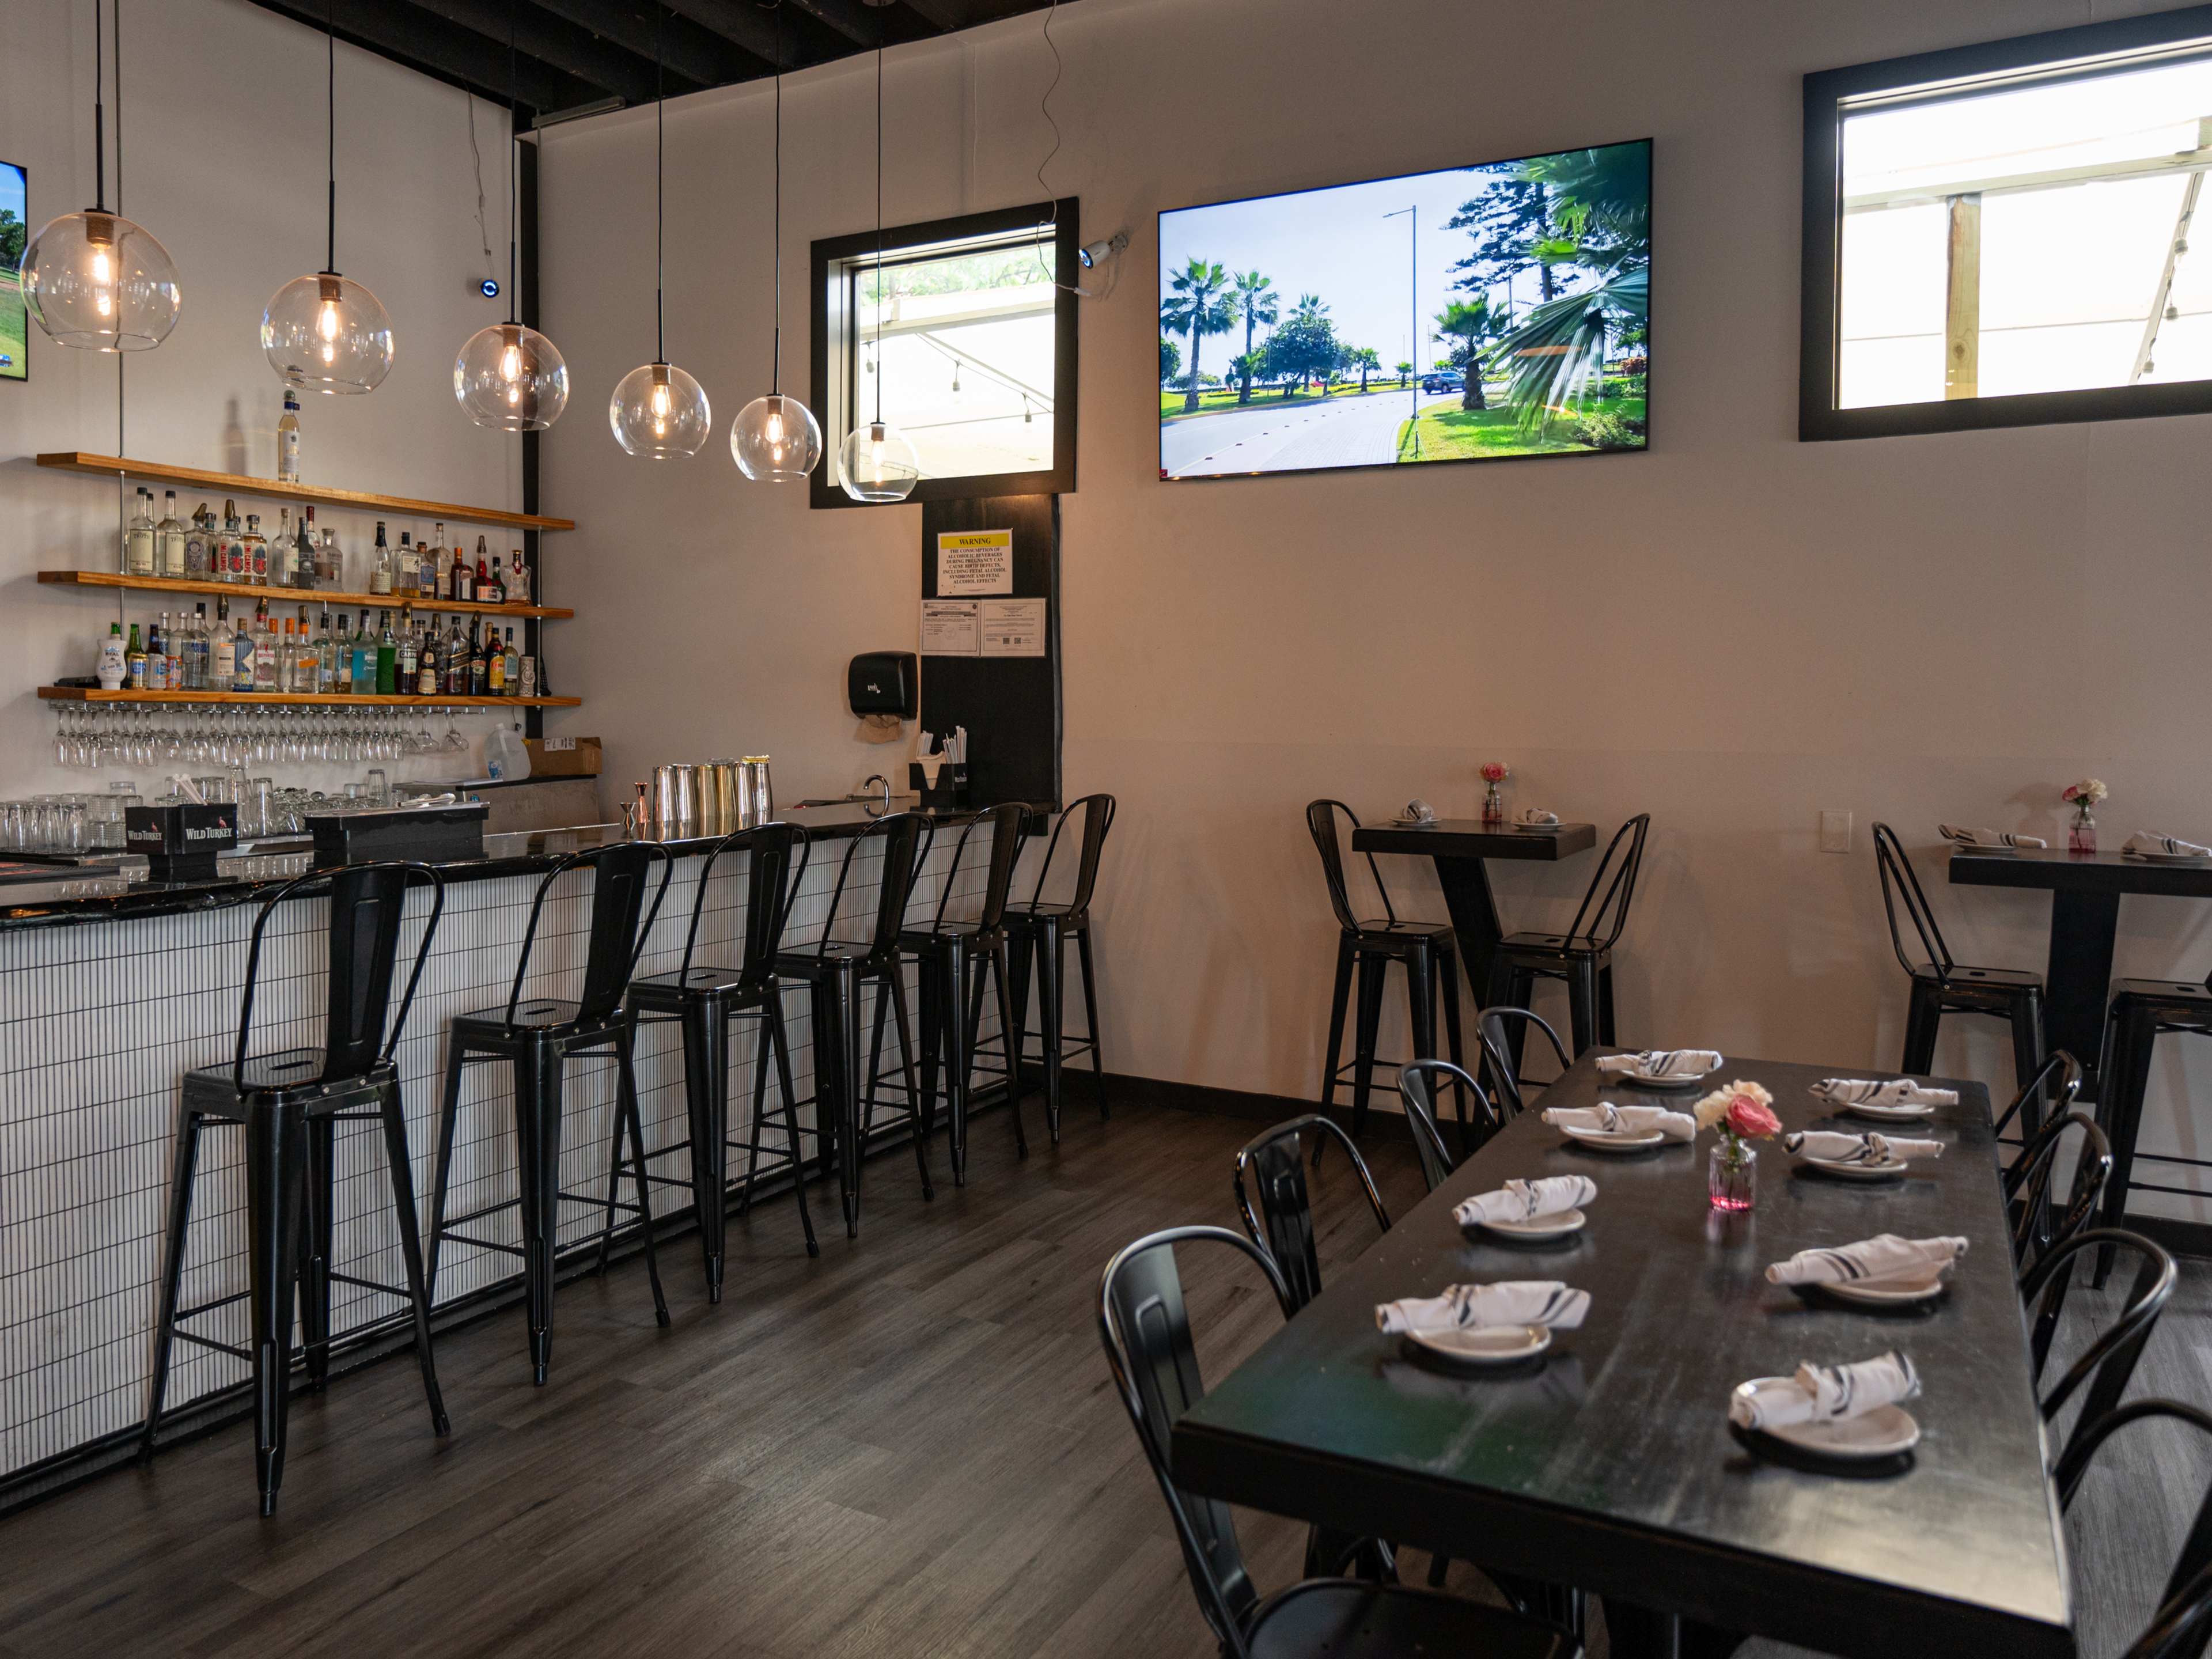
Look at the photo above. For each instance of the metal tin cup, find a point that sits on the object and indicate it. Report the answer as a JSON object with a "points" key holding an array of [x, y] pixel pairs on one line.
{"points": [[718, 785], [755, 795], [675, 796]]}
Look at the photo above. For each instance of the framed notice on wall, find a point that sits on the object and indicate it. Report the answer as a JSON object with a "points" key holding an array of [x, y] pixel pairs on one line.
{"points": [[14, 231]]}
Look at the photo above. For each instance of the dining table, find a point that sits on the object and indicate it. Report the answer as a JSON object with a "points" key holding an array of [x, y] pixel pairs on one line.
{"points": [[2085, 890], [1608, 1462]]}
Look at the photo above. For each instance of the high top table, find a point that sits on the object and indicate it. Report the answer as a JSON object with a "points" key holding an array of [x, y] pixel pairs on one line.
{"points": [[1460, 846], [2085, 891], [1608, 1464]]}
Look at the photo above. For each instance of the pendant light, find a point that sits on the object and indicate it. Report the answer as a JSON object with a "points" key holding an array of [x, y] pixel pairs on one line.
{"points": [[876, 463], [324, 332], [658, 411], [775, 439], [94, 280], [509, 376]]}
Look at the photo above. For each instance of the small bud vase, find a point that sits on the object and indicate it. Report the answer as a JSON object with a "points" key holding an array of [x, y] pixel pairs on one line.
{"points": [[2082, 833], [1494, 806], [1732, 1176]]}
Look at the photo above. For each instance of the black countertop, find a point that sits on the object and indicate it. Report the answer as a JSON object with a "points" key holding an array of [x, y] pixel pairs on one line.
{"points": [[90, 897]]}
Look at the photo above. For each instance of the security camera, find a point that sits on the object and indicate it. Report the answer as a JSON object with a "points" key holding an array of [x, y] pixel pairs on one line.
{"points": [[486, 286], [1111, 247]]}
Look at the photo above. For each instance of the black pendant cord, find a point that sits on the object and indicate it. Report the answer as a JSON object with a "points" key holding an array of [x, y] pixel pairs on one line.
{"points": [[879, 218], [331, 89], [660, 194], [118, 50], [775, 358], [513, 160], [99, 112]]}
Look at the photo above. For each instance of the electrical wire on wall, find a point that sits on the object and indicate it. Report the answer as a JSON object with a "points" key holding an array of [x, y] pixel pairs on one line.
{"points": [[476, 154]]}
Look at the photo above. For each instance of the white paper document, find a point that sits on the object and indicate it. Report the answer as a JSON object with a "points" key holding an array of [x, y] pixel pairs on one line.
{"points": [[1012, 628], [975, 561], [950, 628]]}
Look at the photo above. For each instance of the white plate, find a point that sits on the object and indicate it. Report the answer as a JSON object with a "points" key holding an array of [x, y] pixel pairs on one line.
{"points": [[2169, 857], [1924, 1287], [1414, 823], [1558, 1224], [1485, 1344], [1892, 1113], [1537, 828], [1604, 1140], [1678, 1080], [1849, 1172], [1882, 1432]]}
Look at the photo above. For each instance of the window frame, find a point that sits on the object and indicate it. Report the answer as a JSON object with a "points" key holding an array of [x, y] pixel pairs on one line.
{"points": [[2042, 58], [903, 244]]}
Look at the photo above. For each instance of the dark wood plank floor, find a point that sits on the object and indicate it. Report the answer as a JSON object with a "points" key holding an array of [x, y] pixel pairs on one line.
{"points": [[907, 1448]]}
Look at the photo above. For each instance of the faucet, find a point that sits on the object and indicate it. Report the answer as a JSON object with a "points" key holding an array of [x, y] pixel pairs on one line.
{"points": [[878, 777]]}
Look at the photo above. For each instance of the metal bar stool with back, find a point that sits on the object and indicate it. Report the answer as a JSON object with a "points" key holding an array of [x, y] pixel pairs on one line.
{"points": [[290, 1104], [1583, 955], [1040, 931]]}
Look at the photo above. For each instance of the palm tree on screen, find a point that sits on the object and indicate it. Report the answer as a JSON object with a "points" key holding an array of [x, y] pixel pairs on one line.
{"points": [[1255, 297], [1471, 322], [1366, 360], [1200, 306], [1405, 370]]}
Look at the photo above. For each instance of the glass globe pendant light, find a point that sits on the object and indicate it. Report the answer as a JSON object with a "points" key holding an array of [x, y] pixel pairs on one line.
{"points": [[509, 376], [775, 439], [876, 463], [94, 280], [324, 332], [658, 411]]}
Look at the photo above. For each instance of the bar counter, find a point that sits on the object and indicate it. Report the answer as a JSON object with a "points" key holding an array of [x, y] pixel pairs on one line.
{"points": [[99, 1024]]}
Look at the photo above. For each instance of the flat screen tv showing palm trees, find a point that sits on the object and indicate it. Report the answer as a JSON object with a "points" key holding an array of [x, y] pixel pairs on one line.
{"points": [[1476, 313]]}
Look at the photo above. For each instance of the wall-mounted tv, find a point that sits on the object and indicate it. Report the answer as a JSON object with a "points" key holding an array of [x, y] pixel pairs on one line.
{"points": [[1476, 313]]}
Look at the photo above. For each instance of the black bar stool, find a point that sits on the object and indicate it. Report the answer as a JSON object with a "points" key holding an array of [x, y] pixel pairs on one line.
{"points": [[955, 958], [290, 1104], [536, 1037], [2142, 1010], [704, 999], [1429, 952], [1042, 930], [1941, 986], [834, 972], [1583, 955]]}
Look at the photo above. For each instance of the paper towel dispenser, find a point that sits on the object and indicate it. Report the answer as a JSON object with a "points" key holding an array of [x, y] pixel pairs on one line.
{"points": [[882, 683]]}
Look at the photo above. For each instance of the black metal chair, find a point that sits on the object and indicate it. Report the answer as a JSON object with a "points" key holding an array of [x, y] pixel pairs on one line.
{"points": [[2141, 1012], [704, 999], [536, 1037], [955, 958], [2183, 1624], [2026, 1187], [1501, 1054], [1146, 1330], [1941, 986], [1282, 1223], [290, 1104], [1581, 955], [1040, 930], [1418, 1086], [1429, 952], [2107, 1364], [2060, 1069], [834, 972]]}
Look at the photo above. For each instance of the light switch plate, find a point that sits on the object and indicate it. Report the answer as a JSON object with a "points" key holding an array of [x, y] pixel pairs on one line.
{"points": [[1835, 831]]}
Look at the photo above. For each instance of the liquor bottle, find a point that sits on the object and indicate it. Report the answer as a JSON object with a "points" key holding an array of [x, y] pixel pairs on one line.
{"points": [[426, 663], [325, 665], [495, 665], [518, 579], [364, 660], [134, 658], [265, 650], [431, 582], [196, 651], [304, 572], [138, 538], [329, 564], [484, 574], [231, 567], [388, 657], [280, 551], [177, 644], [169, 537], [287, 440], [114, 668], [465, 573], [157, 657], [199, 543], [222, 652], [342, 658], [404, 566], [257, 552], [492, 588], [454, 661], [243, 646], [404, 662], [479, 663], [513, 666], [379, 569]]}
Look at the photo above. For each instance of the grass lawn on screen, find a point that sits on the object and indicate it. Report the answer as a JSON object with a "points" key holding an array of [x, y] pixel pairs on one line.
{"points": [[1457, 435], [12, 321]]}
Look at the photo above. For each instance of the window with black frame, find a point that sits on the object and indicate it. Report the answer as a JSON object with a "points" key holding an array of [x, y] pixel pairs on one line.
{"points": [[960, 338], [1999, 235]]}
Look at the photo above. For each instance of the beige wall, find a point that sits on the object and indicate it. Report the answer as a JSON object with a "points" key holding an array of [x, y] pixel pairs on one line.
{"points": [[1732, 631]]}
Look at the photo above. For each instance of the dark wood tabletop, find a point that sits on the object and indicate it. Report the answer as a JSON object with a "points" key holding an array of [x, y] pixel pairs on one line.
{"points": [[1610, 1464], [2059, 871], [1471, 838]]}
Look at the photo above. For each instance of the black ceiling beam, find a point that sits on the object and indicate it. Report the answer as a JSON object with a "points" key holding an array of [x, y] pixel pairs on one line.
{"points": [[576, 52], [946, 15], [699, 56], [850, 18], [742, 23], [437, 48]]}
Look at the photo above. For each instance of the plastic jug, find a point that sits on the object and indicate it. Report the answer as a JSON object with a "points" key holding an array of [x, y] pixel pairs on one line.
{"points": [[506, 757]]}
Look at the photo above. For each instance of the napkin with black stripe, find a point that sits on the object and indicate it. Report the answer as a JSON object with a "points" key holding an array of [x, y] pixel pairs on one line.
{"points": [[1608, 1119], [1871, 1261], [1963, 838], [1898, 1091], [1662, 1062], [1524, 1200], [1462, 1307], [1833, 1146], [2143, 841], [1826, 1392]]}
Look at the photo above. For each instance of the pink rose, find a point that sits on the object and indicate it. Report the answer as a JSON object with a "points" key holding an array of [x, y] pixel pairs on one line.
{"points": [[1748, 1118]]}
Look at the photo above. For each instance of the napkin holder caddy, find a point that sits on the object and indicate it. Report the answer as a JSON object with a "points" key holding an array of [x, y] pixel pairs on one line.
{"points": [[950, 790], [427, 835], [181, 842]]}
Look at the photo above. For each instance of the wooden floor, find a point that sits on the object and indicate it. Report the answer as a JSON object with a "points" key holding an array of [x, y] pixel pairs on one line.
{"points": [[907, 1448]]}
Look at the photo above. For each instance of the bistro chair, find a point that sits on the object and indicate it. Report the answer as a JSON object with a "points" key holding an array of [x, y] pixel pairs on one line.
{"points": [[1428, 952], [2141, 1012], [1282, 1222], [836, 972], [2059, 1069], [2107, 1364], [704, 999], [1146, 1330], [2026, 1187], [289, 1103], [1941, 986], [1501, 1031], [1419, 1086], [536, 1037], [2182, 1623], [955, 959], [1583, 955], [1040, 930]]}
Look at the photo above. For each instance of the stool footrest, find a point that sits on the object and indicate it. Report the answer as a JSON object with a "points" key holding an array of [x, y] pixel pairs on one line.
{"points": [[230, 1348], [2171, 1157], [479, 1244], [369, 1285], [184, 1314]]}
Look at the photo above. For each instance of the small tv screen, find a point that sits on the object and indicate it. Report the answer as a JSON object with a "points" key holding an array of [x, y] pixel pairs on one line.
{"points": [[14, 227], [1478, 313]]}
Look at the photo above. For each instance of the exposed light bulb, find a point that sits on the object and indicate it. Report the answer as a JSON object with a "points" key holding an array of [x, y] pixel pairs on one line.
{"points": [[102, 270], [661, 403], [776, 427], [326, 320], [510, 362]]}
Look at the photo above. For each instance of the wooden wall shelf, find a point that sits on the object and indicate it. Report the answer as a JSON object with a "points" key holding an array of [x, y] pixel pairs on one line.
{"points": [[307, 596], [270, 699], [231, 484]]}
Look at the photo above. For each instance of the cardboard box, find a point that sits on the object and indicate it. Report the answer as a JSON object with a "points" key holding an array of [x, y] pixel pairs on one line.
{"points": [[563, 757]]}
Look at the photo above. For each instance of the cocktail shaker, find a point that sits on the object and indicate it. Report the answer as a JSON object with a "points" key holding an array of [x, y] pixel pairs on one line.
{"points": [[755, 795]]}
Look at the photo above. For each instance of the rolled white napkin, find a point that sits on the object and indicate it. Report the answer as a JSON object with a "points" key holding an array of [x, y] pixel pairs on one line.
{"points": [[1964, 837], [1827, 1391], [1418, 812], [2143, 841], [1516, 1301], [1536, 817], [1870, 1260], [1662, 1062], [1609, 1119], [1523, 1201], [1899, 1091], [1839, 1148]]}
